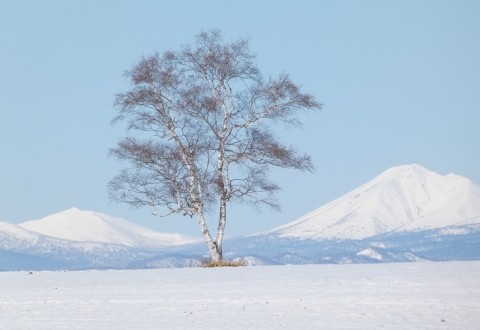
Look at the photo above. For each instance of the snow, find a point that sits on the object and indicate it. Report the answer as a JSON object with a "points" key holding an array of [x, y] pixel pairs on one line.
{"points": [[403, 198], [370, 253], [362, 296], [87, 226]]}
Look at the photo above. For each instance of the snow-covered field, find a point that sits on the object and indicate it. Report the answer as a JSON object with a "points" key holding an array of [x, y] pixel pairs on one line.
{"points": [[361, 296]]}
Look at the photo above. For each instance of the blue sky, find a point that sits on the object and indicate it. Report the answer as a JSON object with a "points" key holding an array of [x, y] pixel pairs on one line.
{"points": [[399, 80]]}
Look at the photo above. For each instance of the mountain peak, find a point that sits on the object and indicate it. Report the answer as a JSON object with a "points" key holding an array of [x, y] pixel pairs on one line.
{"points": [[73, 209], [402, 198], [406, 172], [408, 169]]}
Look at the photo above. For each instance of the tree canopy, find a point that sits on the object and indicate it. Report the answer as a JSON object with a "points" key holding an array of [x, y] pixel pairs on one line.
{"points": [[203, 119]]}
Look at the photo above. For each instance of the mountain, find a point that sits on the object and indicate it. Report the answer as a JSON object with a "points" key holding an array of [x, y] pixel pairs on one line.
{"points": [[87, 226], [75, 239], [22, 249], [401, 199]]}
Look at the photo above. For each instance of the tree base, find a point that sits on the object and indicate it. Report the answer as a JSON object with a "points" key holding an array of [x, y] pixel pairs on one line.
{"points": [[223, 263]]}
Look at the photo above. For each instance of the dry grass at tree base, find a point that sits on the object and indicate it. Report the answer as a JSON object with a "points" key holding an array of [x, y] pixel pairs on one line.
{"points": [[223, 263]]}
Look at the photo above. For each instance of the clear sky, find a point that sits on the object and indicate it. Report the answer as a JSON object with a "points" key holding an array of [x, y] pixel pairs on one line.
{"points": [[399, 80]]}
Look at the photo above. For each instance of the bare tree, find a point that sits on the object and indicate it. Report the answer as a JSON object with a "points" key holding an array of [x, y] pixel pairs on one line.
{"points": [[204, 117]]}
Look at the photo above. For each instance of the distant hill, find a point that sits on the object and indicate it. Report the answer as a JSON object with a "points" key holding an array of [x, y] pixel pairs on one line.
{"points": [[88, 226]]}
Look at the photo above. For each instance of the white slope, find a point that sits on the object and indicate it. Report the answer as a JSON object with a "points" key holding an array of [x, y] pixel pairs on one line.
{"points": [[403, 198], [86, 226], [11, 235]]}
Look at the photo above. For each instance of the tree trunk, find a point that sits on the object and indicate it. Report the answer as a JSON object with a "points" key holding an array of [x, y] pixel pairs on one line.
{"points": [[222, 221], [215, 254]]}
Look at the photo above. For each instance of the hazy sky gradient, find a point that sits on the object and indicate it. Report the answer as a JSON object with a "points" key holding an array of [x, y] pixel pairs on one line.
{"points": [[399, 80]]}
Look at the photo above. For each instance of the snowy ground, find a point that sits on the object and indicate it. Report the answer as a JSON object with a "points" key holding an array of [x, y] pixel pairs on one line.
{"points": [[395, 296]]}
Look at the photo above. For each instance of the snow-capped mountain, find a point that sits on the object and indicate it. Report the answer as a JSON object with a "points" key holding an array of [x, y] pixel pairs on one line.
{"points": [[76, 239], [22, 249], [87, 226], [401, 199]]}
